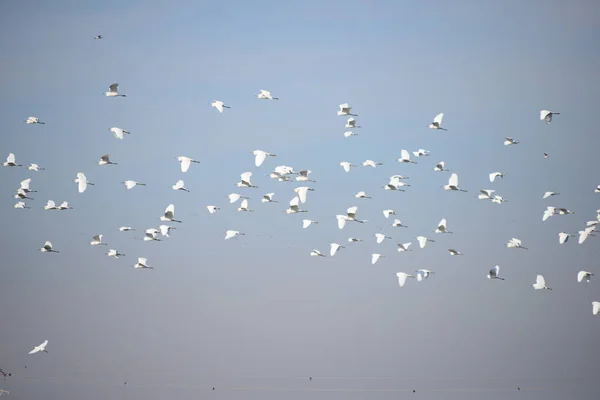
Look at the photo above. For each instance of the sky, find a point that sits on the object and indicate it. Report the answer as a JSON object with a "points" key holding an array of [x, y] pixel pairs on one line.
{"points": [[256, 316]]}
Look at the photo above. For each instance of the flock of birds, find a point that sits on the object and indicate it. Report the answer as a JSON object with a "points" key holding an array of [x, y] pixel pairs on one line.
{"points": [[283, 173]]}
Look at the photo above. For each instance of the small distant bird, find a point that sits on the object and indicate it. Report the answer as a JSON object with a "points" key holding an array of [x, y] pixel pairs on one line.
{"points": [[142, 263], [97, 240], [114, 253], [48, 248], [212, 209], [33, 120], [346, 109], [494, 272], [131, 184], [105, 160], [437, 122], [351, 123], [118, 132], [41, 347], [454, 252], [509, 141], [546, 115], [260, 156], [186, 162], [540, 283], [113, 91], [219, 105], [35, 167], [546, 155], [98, 37], [266, 95], [10, 161], [179, 186], [82, 182]]}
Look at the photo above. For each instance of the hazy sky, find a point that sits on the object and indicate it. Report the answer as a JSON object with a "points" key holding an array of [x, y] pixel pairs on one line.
{"points": [[255, 316]]}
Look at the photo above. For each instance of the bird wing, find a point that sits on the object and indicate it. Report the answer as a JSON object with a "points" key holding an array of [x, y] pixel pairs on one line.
{"points": [[306, 223], [404, 154], [301, 191], [595, 307], [142, 260], [540, 280], [170, 211], [453, 181], [581, 275], [352, 210], [341, 220], [25, 183], [246, 176], [81, 185], [544, 114], [259, 157], [295, 201], [218, 105], [374, 258], [185, 163], [113, 87], [244, 204], [401, 278], [97, 238], [438, 118]]}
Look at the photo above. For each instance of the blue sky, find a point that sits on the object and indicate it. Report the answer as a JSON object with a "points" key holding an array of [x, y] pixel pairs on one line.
{"points": [[256, 316]]}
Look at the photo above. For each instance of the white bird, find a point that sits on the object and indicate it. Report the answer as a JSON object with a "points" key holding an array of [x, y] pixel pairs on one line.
{"points": [[303, 176], [97, 240], [302, 191], [186, 162], [515, 243], [350, 216], [495, 175], [279, 177], [35, 167], [375, 257], [82, 182], [421, 153], [423, 274], [485, 194], [546, 115], [316, 253], [423, 241], [25, 186], [48, 248], [346, 165], [284, 170], [229, 234], [437, 122], [380, 237], [540, 283], [441, 228], [114, 253], [583, 235], [584, 276], [563, 237], [105, 160], [260, 156], [142, 263], [404, 247], [266, 95], [334, 247], [219, 105], [150, 235], [165, 229], [371, 163], [245, 180], [595, 307], [361, 195], [118, 132], [41, 347], [20, 204], [21, 194], [454, 252], [346, 109], [307, 222], [294, 203], [498, 199], [126, 229], [351, 123], [212, 209], [169, 214], [398, 224], [548, 194], [10, 161], [405, 157], [550, 211], [508, 141], [179, 185], [440, 167], [268, 198], [131, 184], [33, 120], [387, 213], [350, 133], [233, 197], [113, 91], [402, 276], [453, 183], [244, 206], [494, 273], [354, 240]]}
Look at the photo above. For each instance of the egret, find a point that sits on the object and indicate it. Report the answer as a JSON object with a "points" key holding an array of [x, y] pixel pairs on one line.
{"points": [[105, 160], [266, 95], [97, 240], [380, 237], [515, 243], [498, 199], [33, 120], [546, 155], [113, 91], [150, 235], [540, 283], [371, 163], [303, 176], [441, 228], [584, 276], [142, 262], [548, 194], [346, 109], [354, 240], [550, 211], [268, 198], [233, 197], [453, 183], [118, 132], [361, 195], [405, 157], [126, 229], [350, 133], [279, 177], [25, 186], [494, 273], [294, 203], [387, 213], [334, 247], [375, 257], [595, 307], [259, 157], [404, 247], [440, 167], [165, 229], [495, 175], [186, 162], [546, 115], [454, 252], [583, 235], [509, 141], [82, 182], [316, 253], [421, 153], [41, 347], [212, 209], [437, 122], [245, 180], [285, 170], [114, 253], [98, 37], [20, 204], [131, 184], [48, 248], [423, 241], [397, 223], [302, 191], [35, 167], [391, 186], [179, 185], [10, 161], [350, 216], [485, 194], [21, 194], [219, 105], [351, 123], [402, 276], [397, 180], [563, 237], [307, 222], [244, 206], [169, 214], [423, 274], [346, 165]]}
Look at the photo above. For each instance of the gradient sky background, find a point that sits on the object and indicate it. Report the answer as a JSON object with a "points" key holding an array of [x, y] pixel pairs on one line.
{"points": [[256, 314]]}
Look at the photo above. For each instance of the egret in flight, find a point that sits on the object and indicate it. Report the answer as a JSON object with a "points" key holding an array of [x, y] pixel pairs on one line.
{"points": [[219, 105], [266, 95], [41, 347], [260, 156], [546, 115], [437, 122], [186, 162], [113, 91], [540, 283], [346, 109]]}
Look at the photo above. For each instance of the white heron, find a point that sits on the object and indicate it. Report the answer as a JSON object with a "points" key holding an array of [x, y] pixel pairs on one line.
{"points": [[118, 132], [33, 120], [494, 273], [346, 109], [398, 224], [316, 253], [165, 229], [169, 214], [244, 206], [142, 262], [150, 235], [229, 234], [268, 198], [41, 347], [113, 91], [540, 283], [495, 175], [98, 37], [245, 180], [350, 216], [498, 199], [10, 161], [260, 156], [548, 194], [307, 222], [387, 213], [453, 183], [219, 105], [20, 204], [82, 182], [354, 240], [440, 167], [303, 176], [515, 243], [546, 115], [186, 162], [21, 194], [126, 229], [423, 274], [380, 237], [35, 167], [350, 133], [595, 307], [266, 95], [302, 191], [361, 195], [346, 165], [550, 211], [105, 160], [423, 241], [97, 240], [441, 228], [510, 141], [334, 247], [114, 253], [233, 197], [402, 247], [371, 163], [485, 194], [48, 248], [294, 206], [351, 123], [131, 184], [563, 237], [402, 276], [583, 235], [454, 252], [405, 157], [437, 122], [179, 185], [375, 257], [212, 209], [421, 153], [584, 276]]}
